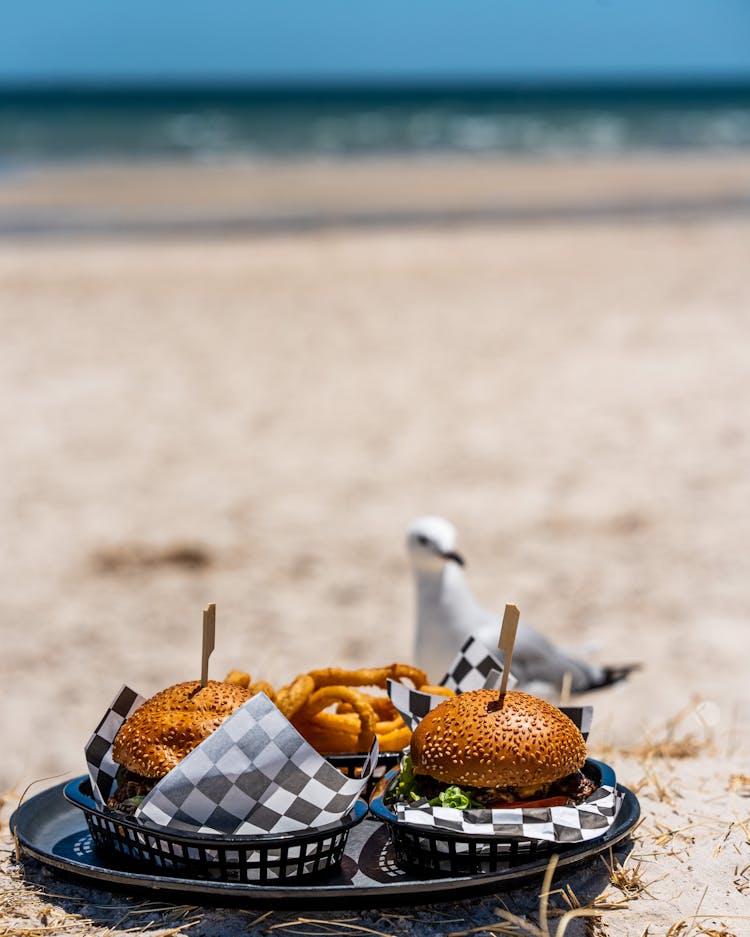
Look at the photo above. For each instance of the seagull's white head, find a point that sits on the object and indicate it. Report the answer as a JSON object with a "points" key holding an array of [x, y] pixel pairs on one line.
{"points": [[430, 542]]}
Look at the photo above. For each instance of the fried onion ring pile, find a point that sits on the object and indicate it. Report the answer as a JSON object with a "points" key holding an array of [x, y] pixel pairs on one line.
{"points": [[334, 710]]}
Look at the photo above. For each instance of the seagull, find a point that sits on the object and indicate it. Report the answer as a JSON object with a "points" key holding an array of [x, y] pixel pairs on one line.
{"points": [[448, 614]]}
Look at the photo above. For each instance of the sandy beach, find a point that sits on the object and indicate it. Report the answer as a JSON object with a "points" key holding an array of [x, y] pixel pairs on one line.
{"points": [[238, 196], [254, 420]]}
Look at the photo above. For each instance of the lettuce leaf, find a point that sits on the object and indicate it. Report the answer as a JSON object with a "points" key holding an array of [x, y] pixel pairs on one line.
{"points": [[407, 788], [454, 796], [407, 780]]}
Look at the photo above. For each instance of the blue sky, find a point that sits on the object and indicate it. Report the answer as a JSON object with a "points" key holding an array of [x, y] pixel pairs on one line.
{"points": [[389, 39]]}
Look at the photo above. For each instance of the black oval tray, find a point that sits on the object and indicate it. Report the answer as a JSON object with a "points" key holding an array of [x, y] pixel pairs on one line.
{"points": [[54, 832]]}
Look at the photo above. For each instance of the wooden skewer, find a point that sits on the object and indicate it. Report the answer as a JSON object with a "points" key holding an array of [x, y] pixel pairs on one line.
{"points": [[506, 642], [565, 688], [209, 638]]}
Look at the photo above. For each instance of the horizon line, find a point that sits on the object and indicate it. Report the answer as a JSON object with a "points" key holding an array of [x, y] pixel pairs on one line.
{"points": [[341, 86]]}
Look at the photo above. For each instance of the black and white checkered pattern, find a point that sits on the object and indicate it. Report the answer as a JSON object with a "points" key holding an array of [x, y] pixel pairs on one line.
{"points": [[255, 774], [582, 716], [102, 769], [494, 679], [412, 705], [473, 662], [587, 820], [473, 668]]}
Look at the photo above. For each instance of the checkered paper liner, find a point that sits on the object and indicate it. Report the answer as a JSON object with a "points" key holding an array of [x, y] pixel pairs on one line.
{"points": [[102, 767], [473, 668], [587, 820], [413, 705], [254, 775]]}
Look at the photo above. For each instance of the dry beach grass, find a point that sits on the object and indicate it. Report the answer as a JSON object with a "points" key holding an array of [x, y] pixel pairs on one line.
{"points": [[254, 421], [686, 872]]}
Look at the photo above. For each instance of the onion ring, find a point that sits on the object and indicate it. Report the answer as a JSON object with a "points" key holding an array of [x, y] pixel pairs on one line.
{"points": [[326, 739], [263, 686], [325, 696], [367, 676], [390, 725], [290, 699], [357, 717], [384, 708], [436, 689], [238, 678], [396, 740]]}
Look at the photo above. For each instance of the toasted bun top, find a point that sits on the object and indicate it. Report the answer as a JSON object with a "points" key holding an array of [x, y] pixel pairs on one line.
{"points": [[471, 739], [167, 727]]}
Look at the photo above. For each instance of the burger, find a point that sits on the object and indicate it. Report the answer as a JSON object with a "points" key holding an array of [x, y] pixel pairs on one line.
{"points": [[164, 730], [485, 749]]}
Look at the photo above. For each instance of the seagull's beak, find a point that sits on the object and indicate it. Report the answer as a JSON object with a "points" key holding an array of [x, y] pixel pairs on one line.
{"points": [[450, 555]]}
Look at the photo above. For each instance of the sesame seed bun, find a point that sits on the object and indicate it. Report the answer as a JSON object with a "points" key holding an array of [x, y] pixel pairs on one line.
{"points": [[481, 739], [167, 727]]}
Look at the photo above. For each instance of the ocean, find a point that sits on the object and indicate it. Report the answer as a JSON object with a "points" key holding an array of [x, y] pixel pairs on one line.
{"points": [[67, 124]]}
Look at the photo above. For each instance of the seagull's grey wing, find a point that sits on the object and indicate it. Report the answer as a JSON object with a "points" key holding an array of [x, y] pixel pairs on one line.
{"points": [[448, 613], [537, 660]]}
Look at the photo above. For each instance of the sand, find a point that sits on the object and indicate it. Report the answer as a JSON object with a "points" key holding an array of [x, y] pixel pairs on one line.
{"points": [[685, 871], [255, 420], [243, 195]]}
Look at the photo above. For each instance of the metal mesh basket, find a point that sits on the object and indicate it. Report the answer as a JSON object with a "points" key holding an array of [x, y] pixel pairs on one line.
{"points": [[351, 766], [432, 851], [256, 859], [441, 852]]}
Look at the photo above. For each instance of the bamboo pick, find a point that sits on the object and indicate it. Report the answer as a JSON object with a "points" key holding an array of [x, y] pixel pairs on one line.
{"points": [[565, 688], [209, 638], [506, 642]]}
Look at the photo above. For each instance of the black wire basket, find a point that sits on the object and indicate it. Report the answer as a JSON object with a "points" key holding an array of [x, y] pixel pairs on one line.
{"points": [[351, 765], [261, 860], [430, 851]]}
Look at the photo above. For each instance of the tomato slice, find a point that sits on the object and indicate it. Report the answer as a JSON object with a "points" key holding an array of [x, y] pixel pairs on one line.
{"points": [[545, 802]]}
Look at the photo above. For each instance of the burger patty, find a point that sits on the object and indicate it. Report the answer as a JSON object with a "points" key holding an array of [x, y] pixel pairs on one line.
{"points": [[575, 787], [131, 789]]}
